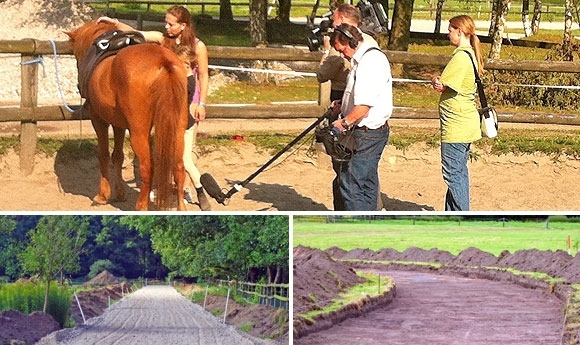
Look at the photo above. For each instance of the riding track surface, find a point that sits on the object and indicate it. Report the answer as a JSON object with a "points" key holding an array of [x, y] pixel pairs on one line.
{"points": [[153, 315], [438, 309]]}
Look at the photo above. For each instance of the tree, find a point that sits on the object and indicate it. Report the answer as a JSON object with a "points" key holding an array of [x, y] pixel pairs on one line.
{"points": [[401, 25], [438, 16], [567, 51], [55, 246], [258, 17], [226, 13], [526, 18], [497, 27], [8, 245], [284, 7], [537, 16], [219, 246]]}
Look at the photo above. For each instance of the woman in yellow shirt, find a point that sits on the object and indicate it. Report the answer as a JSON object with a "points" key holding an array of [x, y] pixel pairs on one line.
{"points": [[458, 114]]}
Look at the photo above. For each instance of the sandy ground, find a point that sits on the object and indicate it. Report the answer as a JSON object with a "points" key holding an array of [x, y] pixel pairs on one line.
{"points": [[299, 181], [152, 315], [469, 298]]}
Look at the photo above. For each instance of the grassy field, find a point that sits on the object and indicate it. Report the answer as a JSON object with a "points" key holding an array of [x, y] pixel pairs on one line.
{"points": [[453, 236]]}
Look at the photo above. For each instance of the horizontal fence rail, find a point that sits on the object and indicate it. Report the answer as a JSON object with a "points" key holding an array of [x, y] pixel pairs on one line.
{"points": [[273, 295], [477, 6], [28, 113]]}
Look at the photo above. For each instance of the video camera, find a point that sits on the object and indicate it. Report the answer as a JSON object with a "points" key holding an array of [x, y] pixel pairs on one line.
{"points": [[374, 20], [316, 36]]}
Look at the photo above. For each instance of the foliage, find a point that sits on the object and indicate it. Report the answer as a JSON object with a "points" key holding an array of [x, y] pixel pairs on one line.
{"points": [[100, 266], [216, 246], [9, 246], [55, 246], [29, 297], [500, 90]]}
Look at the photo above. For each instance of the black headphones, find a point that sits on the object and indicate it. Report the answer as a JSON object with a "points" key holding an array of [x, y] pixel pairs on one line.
{"points": [[352, 42]]}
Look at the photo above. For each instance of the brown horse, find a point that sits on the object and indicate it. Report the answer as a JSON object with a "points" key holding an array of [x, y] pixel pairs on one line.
{"points": [[141, 87]]}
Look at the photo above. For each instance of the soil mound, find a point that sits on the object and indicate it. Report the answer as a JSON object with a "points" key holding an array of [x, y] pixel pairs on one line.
{"points": [[265, 320], [102, 279], [319, 279], [386, 254], [475, 257], [336, 252], [533, 260], [19, 328], [95, 302]]}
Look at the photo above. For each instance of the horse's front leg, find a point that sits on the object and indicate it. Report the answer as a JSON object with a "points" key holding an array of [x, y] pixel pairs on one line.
{"points": [[140, 145], [101, 129], [118, 157]]}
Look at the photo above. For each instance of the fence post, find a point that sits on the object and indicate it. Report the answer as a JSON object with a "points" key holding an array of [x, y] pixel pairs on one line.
{"points": [[28, 100], [226, 310], [324, 94]]}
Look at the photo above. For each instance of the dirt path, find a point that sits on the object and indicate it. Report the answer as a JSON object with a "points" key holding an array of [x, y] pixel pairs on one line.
{"points": [[152, 315], [435, 309], [410, 179]]}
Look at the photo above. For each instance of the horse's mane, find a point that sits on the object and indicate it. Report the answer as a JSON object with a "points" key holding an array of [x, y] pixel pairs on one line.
{"points": [[81, 38]]}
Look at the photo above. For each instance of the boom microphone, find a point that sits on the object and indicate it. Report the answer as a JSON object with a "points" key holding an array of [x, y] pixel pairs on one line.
{"points": [[212, 188]]}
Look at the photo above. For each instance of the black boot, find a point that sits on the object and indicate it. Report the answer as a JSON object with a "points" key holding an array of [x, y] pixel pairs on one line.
{"points": [[202, 199]]}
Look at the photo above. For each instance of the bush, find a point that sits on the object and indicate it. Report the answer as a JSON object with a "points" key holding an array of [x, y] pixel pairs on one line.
{"points": [[100, 266], [534, 97]]}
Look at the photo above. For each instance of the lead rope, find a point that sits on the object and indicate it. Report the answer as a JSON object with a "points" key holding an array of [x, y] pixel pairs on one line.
{"points": [[61, 93]]}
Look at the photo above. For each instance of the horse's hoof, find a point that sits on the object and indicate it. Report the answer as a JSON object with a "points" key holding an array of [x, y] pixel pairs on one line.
{"points": [[98, 201]]}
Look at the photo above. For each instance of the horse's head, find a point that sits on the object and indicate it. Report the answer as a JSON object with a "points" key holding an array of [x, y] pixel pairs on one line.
{"points": [[82, 37]]}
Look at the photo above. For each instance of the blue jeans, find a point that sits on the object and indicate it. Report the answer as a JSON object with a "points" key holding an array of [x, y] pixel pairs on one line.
{"points": [[359, 182], [455, 174]]}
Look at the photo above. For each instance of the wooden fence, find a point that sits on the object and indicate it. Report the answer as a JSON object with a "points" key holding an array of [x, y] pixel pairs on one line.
{"points": [[28, 113], [480, 7], [274, 295]]}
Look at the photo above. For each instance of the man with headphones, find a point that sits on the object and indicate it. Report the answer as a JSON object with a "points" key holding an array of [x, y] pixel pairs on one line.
{"points": [[335, 68], [366, 106]]}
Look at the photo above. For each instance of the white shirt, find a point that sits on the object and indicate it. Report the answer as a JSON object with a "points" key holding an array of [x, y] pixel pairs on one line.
{"points": [[369, 83]]}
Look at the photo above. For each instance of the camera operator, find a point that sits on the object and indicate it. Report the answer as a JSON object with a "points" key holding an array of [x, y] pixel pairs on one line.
{"points": [[335, 68], [366, 106]]}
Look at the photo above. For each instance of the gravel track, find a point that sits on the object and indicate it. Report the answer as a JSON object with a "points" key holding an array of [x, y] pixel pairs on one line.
{"points": [[153, 315], [435, 309]]}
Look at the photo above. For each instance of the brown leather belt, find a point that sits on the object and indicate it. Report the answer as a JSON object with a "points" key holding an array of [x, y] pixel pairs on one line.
{"points": [[365, 128]]}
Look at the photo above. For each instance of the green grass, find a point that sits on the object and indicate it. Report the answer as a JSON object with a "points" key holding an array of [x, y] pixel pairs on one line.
{"points": [[489, 236], [29, 297], [369, 288]]}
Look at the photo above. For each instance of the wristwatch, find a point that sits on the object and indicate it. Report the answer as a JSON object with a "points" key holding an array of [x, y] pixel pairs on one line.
{"points": [[344, 124]]}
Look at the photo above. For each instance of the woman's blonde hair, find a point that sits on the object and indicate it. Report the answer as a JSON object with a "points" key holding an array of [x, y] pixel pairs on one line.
{"points": [[466, 24]]}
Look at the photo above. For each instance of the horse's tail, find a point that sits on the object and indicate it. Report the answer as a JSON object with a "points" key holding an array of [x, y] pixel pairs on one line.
{"points": [[169, 102]]}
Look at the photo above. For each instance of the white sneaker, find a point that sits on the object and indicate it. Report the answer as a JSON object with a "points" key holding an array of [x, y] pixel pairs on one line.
{"points": [[187, 196]]}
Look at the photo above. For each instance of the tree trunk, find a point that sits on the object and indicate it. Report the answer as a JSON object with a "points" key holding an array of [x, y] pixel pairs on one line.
{"points": [[278, 277], [258, 17], [537, 16], [284, 10], [499, 28], [401, 25], [438, 15], [310, 19], [526, 18], [226, 13], [46, 293], [567, 54]]}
